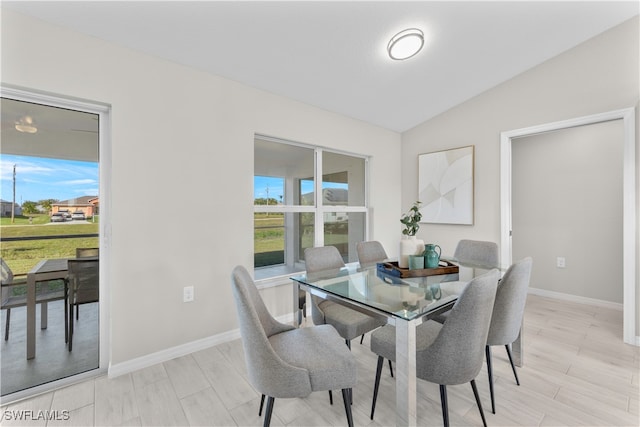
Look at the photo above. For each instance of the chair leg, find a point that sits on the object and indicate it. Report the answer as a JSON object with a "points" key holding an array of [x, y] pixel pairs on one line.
{"points": [[475, 393], [390, 368], [377, 385], [66, 322], [268, 412], [261, 405], [71, 328], [487, 350], [347, 405], [445, 406], [512, 364], [6, 328], [66, 310]]}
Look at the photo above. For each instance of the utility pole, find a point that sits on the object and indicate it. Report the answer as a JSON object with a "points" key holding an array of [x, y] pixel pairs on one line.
{"points": [[13, 206], [267, 198]]}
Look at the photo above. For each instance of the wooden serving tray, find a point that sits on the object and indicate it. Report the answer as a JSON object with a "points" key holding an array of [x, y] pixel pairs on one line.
{"points": [[391, 268]]}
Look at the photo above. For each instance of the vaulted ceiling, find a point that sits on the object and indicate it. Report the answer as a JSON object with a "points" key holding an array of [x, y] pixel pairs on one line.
{"points": [[332, 54]]}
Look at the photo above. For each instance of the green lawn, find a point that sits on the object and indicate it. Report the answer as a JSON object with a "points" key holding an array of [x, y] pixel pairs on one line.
{"points": [[21, 256], [269, 238]]}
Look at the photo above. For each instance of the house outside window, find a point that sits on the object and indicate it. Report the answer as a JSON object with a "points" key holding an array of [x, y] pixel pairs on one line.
{"points": [[295, 209]]}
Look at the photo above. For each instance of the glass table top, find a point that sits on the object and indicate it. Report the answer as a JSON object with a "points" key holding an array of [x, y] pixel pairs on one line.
{"points": [[406, 298]]}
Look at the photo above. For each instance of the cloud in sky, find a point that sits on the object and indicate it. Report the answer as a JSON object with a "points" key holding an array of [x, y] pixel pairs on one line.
{"points": [[78, 182], [40, 178]]}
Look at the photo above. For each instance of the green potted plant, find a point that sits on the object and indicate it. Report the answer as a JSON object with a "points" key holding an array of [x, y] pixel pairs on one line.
{"points": [[410, 245], [411, 220]]}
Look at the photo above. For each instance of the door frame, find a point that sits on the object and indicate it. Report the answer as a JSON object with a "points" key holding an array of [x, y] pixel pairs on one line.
{"points": [[630, 218], [105, 166]]}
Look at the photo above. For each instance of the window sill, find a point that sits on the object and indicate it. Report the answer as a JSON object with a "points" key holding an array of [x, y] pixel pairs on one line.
{"points": [[272, 282]]}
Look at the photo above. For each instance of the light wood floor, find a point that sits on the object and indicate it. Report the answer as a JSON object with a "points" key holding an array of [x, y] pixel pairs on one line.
{"points": [[577, 372]]}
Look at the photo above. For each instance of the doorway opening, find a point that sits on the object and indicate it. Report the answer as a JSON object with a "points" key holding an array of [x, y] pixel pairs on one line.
{"points": [[629, 213], [53, 157]]}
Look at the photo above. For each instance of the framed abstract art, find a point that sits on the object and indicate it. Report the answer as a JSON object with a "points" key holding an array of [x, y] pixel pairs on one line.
{"points": [[445, 186]]}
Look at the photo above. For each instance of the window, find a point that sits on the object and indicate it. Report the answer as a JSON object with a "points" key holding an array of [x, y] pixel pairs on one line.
{"points": [[289, 216]]}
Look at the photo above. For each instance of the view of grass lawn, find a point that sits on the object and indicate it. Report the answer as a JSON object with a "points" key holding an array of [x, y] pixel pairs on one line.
{"points": [[23, 255], [24, 220], [269, 237]]}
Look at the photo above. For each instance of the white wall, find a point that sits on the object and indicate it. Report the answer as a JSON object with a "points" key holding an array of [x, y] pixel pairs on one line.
{"points": [[597, 76], [567, 202], [183, 136]]}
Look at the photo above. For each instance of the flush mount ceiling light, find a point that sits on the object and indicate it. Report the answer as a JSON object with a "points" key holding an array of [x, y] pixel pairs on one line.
{"points": [[26, 125], [405, 44]]}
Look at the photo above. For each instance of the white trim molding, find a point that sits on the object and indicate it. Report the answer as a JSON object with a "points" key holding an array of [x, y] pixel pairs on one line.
{"points": [[142, 362], [575, 298], [630, 214]]}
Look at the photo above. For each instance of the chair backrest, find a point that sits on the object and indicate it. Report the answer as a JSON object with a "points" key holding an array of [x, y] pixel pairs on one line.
{"points": [[456, 356], [477, 252], [322, 258], [508, 309], [84, 280], [370, 253], [87, 252], [6, 275], [267, 372]]}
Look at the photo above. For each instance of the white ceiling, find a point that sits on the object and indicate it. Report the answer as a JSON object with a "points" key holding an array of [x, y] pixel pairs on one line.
{"points": [[332, 54], [61, 133]]}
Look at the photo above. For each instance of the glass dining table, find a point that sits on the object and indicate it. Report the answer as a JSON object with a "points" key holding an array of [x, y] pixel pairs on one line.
{"points": [[404, 301]]}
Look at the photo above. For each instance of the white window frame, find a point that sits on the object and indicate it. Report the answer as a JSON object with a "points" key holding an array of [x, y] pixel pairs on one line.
{"points": [[319, 209]]}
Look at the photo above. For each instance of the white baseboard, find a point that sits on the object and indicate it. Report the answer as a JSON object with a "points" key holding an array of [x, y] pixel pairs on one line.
{"points": [[575, 298], [138, 363]]}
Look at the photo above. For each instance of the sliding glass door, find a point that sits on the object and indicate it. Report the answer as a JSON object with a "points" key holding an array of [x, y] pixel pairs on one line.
{"points": [[50, 208]]}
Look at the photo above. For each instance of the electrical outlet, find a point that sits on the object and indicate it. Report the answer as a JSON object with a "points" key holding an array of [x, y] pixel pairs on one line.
{"points": [[187, 294], [561, 263]]}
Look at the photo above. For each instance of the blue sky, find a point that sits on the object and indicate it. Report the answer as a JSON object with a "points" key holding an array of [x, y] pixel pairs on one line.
{"points": [[39, 178], [276, 187]]}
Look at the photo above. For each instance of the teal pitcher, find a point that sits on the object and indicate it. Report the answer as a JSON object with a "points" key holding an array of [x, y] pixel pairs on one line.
{"points": [[431, 256]]}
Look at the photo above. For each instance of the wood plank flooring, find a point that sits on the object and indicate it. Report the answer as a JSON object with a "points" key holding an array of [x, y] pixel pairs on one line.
{"points": [[577, 372]]}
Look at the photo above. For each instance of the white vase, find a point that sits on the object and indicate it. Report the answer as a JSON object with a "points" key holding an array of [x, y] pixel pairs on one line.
{"points": [[409, 245]]}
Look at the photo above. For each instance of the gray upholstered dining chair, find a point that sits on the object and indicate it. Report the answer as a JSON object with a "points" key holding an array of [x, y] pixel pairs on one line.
{"points": [[508, 311], [85, 253], [370, 253], [83, 284], [477, 252], [286, 362], [348, 322], [11, 299], [473, 252], [449, 353]]}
